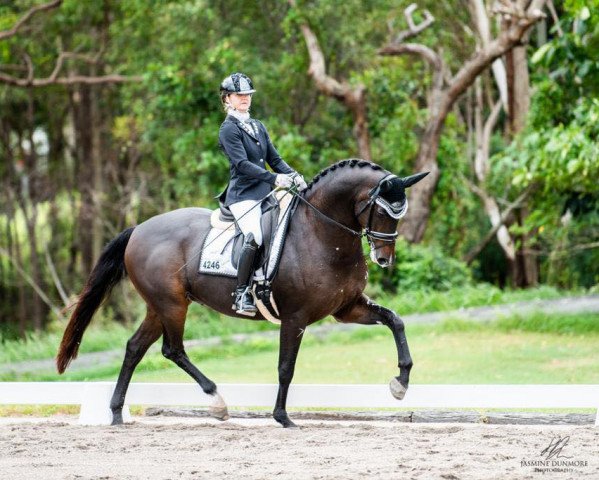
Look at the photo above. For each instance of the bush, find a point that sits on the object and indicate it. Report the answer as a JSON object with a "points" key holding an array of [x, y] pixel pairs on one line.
{"points": [[419, 267]]}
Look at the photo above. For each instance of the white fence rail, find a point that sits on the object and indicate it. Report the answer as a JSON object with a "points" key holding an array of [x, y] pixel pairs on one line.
{"points": [[94, 397]]}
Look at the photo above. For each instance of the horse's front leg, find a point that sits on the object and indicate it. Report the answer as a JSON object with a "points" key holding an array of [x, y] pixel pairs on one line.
{"points": [[366, 312], [289, 344]]}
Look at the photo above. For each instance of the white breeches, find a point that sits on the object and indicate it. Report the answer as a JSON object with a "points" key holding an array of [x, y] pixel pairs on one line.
{"points": [[248, 222]]}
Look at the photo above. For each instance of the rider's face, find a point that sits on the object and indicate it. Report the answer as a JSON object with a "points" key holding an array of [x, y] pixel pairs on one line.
{"points": [[240, 102]]}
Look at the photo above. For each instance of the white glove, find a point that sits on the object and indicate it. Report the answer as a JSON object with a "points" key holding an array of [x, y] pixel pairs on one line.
{"points": [[300, 182], [283, 180]]}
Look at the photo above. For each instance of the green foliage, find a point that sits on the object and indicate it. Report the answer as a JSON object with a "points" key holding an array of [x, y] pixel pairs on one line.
{"points": [[571, 59], [160, 136], [419, 267], [562, 158]]}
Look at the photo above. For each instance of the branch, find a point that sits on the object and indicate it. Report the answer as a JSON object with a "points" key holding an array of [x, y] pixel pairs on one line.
{"points": [[31, 283], [414, 49], [354, 98], [551, 7], [317, 69], [79, 56], [71, 80], [29, 67], [64, 297], [30, 81], [413, 28], [397, 47], [25, 18], [472, 254], [507, 40]]}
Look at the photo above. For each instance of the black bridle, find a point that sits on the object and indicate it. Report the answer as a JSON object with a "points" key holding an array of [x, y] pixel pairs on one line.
{"points": [[374, 197]]}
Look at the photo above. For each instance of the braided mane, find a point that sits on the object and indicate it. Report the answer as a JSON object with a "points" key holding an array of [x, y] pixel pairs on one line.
{"points": [[352, 162]]}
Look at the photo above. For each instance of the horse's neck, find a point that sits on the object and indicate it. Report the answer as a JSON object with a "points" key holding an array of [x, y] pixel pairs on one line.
{"points": [[336, 194]]}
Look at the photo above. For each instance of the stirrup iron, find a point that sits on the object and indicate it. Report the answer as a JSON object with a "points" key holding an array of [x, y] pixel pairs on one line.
{"points": [[244, 302]]}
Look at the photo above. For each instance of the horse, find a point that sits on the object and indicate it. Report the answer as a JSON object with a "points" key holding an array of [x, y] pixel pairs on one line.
{"points": [[322, 272]]}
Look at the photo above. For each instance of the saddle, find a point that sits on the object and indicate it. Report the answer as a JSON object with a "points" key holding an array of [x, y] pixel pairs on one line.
{"points": [[268, 222], [222, 248]]}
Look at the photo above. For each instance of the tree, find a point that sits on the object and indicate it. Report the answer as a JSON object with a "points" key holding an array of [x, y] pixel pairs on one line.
{"points": [[519, 16], [353, 97]]}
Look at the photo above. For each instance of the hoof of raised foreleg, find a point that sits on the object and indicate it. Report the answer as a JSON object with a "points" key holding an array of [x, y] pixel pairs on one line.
{"points": [[397, 389], [218, 409], [219, 413]]}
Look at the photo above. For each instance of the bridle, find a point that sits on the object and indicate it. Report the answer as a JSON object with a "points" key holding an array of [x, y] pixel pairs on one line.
{"points": [[374, 199]]}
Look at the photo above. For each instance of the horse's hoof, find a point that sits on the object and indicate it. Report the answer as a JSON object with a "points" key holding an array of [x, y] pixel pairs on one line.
{"points": [[289, 424], [397, 389], [220, 413], [218, 409], [285, 422], [117, 420]]}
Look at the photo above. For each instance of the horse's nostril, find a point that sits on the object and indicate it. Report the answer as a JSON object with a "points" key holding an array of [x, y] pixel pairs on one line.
{"points": [[383, 262]]}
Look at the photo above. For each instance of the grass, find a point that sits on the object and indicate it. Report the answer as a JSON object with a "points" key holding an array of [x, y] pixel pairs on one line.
{"points": [[104, 334], [537, 349], [514, 350]]}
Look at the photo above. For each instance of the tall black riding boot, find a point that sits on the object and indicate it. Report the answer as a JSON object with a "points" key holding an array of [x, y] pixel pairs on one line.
{"points": [[244, 300]]}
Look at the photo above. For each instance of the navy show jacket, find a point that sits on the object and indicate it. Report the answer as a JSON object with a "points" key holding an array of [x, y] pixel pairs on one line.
{"points": [[248, 147]]}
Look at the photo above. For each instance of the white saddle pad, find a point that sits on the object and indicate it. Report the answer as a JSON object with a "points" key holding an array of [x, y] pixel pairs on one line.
{"points": [[216, 251]]}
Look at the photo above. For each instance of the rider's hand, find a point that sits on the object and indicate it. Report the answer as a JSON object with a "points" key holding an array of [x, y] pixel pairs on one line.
{"points": [[283, 180], [300, 182]]}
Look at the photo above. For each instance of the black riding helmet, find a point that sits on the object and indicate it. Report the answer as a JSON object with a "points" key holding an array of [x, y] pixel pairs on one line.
{"points": [[236, 83]]}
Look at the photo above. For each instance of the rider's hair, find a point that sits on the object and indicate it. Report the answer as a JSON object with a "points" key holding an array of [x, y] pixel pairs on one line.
{"points": [[223, 100]]}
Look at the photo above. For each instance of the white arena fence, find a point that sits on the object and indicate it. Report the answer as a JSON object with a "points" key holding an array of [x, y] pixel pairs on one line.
{"points": [[94, 397]]}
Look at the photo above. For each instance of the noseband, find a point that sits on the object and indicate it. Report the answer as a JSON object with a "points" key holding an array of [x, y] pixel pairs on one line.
{"points": [[374, 199]]}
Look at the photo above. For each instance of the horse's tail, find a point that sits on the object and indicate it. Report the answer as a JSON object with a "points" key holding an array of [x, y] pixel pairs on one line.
{"points": [[109, 270]]}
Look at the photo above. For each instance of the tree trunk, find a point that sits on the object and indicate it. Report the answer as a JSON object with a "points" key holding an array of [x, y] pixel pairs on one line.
{"points": [[525, 270], [414, 224], [22, 308], [37, 307], [98, 122], [30, 185], [357, 103], [83, 124], [518, 89]]}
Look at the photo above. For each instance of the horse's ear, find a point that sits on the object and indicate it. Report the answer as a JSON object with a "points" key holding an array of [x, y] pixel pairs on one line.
{"points": [[386, 186], [412, 179]]}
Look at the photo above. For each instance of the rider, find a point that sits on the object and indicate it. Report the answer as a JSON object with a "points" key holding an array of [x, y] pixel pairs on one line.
{"points": [[246, 143]]}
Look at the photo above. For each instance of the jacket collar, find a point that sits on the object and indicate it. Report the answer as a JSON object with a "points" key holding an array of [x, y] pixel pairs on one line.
{"points": [[252, 132]]}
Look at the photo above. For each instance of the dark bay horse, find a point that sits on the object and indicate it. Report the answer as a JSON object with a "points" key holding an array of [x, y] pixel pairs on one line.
{"points": [[322, 272]]}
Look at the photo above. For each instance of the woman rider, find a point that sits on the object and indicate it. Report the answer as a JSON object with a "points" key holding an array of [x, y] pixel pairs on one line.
{"points": [[246, 143]]}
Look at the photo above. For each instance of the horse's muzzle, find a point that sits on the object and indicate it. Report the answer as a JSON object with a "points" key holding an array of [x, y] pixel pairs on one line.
{"points": [[383, 256], [383, 262]]}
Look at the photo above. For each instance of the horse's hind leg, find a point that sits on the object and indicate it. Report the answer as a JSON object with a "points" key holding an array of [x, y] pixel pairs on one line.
{"points": [[366, 312], [172, 348], [147, 333]]}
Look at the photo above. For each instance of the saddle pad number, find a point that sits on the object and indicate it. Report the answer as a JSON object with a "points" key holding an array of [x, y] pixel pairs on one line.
{"points": [[208, 265]]}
